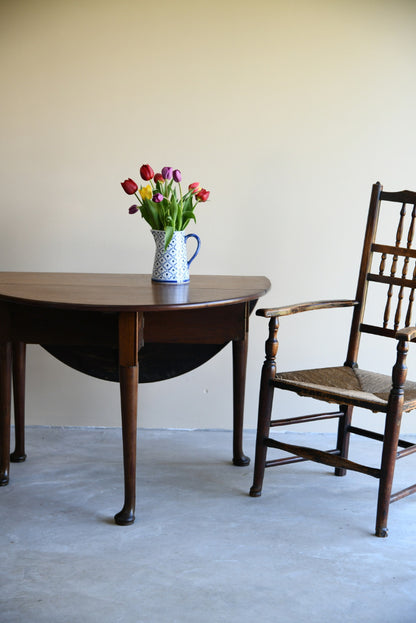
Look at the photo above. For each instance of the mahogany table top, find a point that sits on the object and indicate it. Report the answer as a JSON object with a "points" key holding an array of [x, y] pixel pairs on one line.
{"points": [[124, 292]]}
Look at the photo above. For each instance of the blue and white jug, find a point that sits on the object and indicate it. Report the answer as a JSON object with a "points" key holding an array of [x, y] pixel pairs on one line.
{"points": [[171, 265]]}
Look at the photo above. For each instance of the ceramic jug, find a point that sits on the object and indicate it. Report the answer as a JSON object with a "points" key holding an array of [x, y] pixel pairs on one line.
{"points": [[171, 265]]}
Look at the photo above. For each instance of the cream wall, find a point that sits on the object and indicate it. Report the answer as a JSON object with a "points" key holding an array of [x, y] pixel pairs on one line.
{"points": [[286, 111]]}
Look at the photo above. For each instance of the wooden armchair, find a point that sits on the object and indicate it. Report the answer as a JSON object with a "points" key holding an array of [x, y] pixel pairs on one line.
{"points": [[347, 385]]}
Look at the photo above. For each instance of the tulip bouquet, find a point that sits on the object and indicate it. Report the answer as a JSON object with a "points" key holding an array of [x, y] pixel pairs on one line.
{"points": [[162, 203]]}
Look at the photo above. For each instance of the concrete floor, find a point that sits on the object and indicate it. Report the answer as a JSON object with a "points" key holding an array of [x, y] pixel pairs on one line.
{"points": [[201, 550]]}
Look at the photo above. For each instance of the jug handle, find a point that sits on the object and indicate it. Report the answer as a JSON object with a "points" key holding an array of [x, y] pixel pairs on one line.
{"points": [[198, 244]]}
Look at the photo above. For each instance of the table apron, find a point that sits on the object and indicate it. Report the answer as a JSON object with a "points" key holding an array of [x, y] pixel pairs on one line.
{"points": [[211, 325], [39, 325]]}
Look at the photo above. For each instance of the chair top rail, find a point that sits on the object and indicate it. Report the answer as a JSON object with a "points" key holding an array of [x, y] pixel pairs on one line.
{"points": [[401, 196]]}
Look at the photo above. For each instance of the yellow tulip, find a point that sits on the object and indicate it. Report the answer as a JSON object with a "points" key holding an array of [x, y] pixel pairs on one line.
{"points": [[146, 192]]}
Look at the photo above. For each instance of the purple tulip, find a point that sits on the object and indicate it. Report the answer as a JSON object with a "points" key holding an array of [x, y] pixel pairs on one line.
{"points": [[167, 173], [133, 209], [157, 197], [177, 175]]}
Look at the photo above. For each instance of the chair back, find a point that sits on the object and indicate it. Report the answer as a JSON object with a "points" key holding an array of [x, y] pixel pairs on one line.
{"points": [[388, 263]]}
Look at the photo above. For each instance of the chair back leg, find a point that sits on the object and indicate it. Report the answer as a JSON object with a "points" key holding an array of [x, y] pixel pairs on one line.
{"points": [[343, 439]]}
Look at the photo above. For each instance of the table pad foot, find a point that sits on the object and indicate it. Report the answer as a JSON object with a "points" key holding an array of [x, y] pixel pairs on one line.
{"points": [[16, 457], [124, 518], [4, 480], [241, 461]]}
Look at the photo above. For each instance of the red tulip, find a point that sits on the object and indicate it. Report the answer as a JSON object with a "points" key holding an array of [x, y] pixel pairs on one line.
{"points": [[194, 187], [146, 172], [203, 195], [129, 186]]}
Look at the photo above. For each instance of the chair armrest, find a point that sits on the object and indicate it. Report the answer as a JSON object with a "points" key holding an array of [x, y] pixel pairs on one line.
{"points": [[271, 312], [407, 333]]}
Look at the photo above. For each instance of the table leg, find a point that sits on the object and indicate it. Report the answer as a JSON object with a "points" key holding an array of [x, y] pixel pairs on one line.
{"points": [[19, 370], [240, 348], [5, 398], [130, 330]]}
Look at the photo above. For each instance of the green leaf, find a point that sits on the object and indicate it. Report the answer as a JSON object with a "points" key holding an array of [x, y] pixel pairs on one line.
{"points": [[145, 214], [186, 217], [168, 235], [189, 215], [150, 214], [174, 209], [187, 202]]}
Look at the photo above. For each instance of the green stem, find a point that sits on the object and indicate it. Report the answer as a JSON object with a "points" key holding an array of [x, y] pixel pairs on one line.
{"points": [[180, 211], [139, 198]]}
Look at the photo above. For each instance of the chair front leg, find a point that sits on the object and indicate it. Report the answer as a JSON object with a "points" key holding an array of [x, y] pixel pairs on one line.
{"points": [[265, 407], [391, 438]]}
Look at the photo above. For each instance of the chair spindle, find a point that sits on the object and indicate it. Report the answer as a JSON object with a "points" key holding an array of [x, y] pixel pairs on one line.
{"points": [[404, 270], [399, 235]]}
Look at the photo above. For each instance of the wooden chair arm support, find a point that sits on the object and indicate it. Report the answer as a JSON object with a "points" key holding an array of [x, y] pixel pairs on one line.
{"points": [[271, 312], [407, 333]]}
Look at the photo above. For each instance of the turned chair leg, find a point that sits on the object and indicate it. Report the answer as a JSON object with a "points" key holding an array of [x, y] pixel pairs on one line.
{"points": [[391, 439], [263, 428], [343, 440], [265, 407], [388, 463]]}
